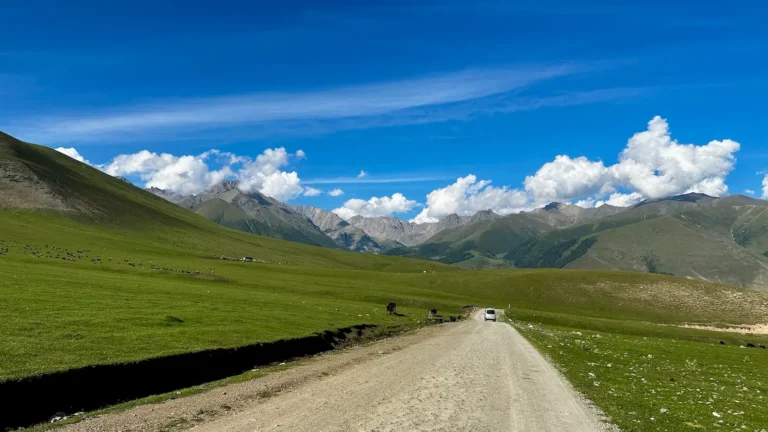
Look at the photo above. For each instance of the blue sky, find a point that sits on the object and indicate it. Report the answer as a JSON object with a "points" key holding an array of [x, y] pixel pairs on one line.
{"points": [[416, 94]]}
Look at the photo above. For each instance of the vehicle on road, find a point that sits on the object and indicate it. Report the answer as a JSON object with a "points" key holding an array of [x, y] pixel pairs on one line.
{"points": [[489, 315]]}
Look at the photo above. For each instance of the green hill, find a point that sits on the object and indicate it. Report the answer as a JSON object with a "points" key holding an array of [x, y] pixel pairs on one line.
{"points": [[695, 236]]}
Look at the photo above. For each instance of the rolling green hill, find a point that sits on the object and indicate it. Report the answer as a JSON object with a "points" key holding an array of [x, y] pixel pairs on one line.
{"points": [[695, 236]]}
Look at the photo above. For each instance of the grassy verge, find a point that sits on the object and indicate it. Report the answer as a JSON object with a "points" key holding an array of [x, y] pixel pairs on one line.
{"points": [[650, 377]]}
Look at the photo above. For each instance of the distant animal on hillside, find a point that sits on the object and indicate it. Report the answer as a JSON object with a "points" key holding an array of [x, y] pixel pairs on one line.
{"points": [[432, 312], [392, 308]]}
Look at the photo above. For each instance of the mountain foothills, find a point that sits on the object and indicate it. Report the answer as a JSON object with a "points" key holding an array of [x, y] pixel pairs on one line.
{"points": [[693, 235]]}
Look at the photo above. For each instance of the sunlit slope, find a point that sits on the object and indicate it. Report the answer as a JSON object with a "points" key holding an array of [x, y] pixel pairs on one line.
{"points": [[50, 198]]}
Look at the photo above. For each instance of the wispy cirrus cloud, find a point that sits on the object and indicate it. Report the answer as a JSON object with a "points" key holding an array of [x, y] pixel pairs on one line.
{"points": [[434, 98]]}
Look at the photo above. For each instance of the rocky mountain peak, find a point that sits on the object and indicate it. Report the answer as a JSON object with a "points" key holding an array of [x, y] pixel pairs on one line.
{"points": [[483, 215]]}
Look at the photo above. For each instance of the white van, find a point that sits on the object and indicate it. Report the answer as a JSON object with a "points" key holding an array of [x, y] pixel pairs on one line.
{"points": [[490, 315]]}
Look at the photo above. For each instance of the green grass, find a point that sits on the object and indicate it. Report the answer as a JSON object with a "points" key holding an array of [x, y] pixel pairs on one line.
{"points": [[652, 377], [61, 314]]}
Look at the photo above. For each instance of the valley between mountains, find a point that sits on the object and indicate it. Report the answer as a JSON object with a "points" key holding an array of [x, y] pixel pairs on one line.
{"points": [[694, 235]]}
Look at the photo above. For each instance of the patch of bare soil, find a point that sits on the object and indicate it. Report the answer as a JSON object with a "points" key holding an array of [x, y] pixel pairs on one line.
{"points": [[756, 329]]}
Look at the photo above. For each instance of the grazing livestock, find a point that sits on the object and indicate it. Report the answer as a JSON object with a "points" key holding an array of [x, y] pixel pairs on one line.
{"points": [[392, 308], [432, 313]]}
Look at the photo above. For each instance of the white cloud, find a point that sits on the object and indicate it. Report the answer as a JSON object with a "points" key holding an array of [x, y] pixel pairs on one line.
{"points": [[621, 200], [73, 153], [376, 206], [263, 174], [361, 101], [336, 192], [467, 196], [300, 154], [656, 166], [652, 165], [765, 187], [566, 178], [181, 174], [310, 192], [190, 174], [362, 174], [749, 192]]}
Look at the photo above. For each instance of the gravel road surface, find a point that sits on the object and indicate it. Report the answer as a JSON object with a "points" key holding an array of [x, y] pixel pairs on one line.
{"points": [[467, 376]]}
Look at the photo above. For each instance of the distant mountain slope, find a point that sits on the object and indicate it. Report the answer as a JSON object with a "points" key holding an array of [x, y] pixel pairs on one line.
{"points": [[481, 244], [253, 212], [693, 235], [393, 230], [47, 197], [484, 242], [341, 231], [722, 240]]}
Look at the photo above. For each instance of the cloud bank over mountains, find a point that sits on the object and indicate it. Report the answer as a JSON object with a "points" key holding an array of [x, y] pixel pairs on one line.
{"points": [[651, 165]]}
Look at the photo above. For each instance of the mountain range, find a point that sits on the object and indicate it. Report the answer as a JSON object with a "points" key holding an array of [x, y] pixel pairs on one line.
{"points": [[692, 235]]}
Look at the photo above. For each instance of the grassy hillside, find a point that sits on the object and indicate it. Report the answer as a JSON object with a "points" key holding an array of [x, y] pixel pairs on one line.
{"points": [[715, 239]]}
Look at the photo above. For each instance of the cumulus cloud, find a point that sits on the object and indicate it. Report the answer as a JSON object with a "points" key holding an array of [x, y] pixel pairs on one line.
{"points": [[765, 187], [310, 192], [652, 165], [376, 206], [73, 153], [749, 192], [467, 196], [362, 174], [566, 179], [621, 199], [300, 154], [336, 192], [656, 166], [264, 175], [190, 174]]}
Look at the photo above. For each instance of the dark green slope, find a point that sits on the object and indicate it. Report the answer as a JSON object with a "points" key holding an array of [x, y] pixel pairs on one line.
{"points": [[478, 245]]}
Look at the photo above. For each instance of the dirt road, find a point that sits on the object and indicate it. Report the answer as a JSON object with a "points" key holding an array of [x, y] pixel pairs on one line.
{"points": [[466, 376], [473, 376]]}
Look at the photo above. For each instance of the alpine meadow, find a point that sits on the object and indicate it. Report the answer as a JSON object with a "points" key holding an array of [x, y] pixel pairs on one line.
{"points": [[383, 216]]}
